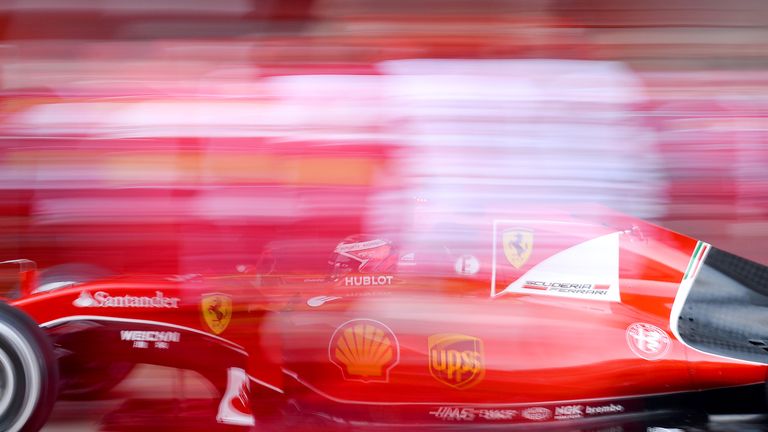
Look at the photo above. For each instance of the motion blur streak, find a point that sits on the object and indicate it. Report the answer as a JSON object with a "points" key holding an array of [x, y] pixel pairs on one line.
{"points": [[193, 136]]}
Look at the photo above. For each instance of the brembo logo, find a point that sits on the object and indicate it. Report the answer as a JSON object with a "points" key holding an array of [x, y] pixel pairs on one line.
{"points": [[103, 299], [605, 409]]}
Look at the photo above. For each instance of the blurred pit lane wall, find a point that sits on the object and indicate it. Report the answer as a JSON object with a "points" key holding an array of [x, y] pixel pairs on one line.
{"points": [[166, 135]]}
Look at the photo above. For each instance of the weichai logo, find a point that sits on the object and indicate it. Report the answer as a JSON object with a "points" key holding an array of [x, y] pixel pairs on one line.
{"points": [[456, 359]]}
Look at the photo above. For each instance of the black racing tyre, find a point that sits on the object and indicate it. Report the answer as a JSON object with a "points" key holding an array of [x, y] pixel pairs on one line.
{"points": [[86, 378], [28, 373]]}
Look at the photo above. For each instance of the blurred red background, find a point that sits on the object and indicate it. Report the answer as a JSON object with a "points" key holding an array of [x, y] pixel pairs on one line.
{"points": [[169, 136]]}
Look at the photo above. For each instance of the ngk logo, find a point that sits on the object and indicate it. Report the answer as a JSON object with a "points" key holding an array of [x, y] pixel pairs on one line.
{"points": [[569, 412]]}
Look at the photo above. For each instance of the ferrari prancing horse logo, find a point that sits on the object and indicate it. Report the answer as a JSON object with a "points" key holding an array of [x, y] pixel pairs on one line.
{"points": [[217, 311], [518, 245]]}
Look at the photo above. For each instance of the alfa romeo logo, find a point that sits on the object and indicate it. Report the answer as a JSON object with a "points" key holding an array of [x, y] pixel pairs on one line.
{"points": [[647, 341]]}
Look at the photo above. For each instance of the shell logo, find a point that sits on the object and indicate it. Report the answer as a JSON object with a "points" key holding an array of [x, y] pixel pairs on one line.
{"points": [[365, 350]]}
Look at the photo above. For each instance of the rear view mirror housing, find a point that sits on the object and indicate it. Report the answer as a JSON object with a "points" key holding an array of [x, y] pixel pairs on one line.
{"points": [[17, 278]]}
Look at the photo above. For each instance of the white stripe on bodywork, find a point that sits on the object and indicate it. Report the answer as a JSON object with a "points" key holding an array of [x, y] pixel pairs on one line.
{"points": [[695, 264], [232, 345], [520, 222], [265, 384], [594, 261]]}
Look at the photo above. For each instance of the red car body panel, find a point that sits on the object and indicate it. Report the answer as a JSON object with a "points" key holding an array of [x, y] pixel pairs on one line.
{"points": [[433, 339]]}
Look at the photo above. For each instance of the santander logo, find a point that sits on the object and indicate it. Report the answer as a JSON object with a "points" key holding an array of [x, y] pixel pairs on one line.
{"points": [[103, 299]]}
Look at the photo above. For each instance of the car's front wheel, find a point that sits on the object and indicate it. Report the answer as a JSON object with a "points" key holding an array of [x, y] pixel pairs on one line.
{"points": [[28, 373], [85, 378]]}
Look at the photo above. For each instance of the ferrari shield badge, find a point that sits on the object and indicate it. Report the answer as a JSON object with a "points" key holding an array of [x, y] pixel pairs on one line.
{"points": [[217, 311], [365, 350], [518, 245], [456, 360]]}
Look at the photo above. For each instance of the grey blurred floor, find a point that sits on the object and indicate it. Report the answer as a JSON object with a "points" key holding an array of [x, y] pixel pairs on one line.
{"points": [[144, 382], [153, 382]]}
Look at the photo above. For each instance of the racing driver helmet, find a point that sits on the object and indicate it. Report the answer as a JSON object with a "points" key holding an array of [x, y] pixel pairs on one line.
{"points": [[359, 261]]}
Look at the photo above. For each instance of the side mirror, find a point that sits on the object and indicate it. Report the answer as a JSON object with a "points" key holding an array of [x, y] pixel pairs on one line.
{"points": [[17, 278]]}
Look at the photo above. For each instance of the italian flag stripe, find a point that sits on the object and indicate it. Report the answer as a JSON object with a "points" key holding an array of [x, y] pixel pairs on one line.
{"points": [[698, 254]]}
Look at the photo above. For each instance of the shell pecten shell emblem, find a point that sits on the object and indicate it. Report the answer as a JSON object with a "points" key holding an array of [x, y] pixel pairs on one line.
{"points": [[365, 350]]}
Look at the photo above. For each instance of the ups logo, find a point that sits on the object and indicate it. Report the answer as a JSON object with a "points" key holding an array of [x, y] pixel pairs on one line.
{"points": [[456, 360]]}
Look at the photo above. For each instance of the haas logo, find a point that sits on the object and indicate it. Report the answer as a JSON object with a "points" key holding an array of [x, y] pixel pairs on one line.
{"points": [[217, 311]]}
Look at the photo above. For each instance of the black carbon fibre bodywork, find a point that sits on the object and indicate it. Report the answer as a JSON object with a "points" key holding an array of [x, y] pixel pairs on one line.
{"points": [[726, 311]]}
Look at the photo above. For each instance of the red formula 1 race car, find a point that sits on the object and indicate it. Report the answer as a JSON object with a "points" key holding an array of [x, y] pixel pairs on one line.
{"points": [[554, 319]]}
